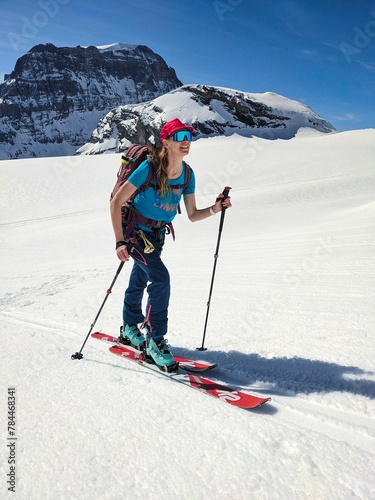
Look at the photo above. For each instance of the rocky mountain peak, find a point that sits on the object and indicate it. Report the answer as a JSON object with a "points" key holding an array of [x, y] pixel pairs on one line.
{"points": [[211, 110], [55, 96]]}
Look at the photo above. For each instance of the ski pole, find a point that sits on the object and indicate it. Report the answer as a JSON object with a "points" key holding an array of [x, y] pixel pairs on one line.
{"points": [[225, 193], [79, 355]]}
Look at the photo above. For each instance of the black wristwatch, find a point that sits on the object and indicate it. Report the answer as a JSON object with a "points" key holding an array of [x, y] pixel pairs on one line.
{"points": [[120, 244]]}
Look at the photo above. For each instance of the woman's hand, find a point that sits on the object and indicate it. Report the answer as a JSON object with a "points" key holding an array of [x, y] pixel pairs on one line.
{"points": [[122, 253], [220, 202]]}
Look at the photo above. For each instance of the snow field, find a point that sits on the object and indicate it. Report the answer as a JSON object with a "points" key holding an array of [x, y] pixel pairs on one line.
{"points": [[292, 316]]}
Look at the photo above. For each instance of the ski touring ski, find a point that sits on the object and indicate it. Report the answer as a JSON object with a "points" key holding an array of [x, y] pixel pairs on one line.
{"points": [[186, 364], [185, 376]]}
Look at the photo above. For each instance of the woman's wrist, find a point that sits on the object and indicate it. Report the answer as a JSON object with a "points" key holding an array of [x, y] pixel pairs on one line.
{"points": [[120, 243], [211, 210]]}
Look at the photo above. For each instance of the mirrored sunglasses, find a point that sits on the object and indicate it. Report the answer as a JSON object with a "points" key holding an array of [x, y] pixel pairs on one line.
{"points": [[182, 135]]}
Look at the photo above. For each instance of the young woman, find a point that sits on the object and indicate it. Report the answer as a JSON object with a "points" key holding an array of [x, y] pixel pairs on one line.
{"points": [[160, 206]]}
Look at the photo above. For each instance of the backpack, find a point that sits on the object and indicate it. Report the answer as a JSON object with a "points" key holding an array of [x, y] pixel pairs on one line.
{"points": [[130, 161]]}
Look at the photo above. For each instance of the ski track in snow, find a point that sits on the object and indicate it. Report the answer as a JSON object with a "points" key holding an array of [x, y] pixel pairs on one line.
{"points": [[295, 277]]}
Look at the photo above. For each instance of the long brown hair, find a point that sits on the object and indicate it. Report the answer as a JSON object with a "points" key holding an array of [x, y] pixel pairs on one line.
{"points": [[161, 164]]}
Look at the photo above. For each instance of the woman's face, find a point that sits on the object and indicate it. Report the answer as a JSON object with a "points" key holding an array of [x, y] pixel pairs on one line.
{"points": [[177, 148]]}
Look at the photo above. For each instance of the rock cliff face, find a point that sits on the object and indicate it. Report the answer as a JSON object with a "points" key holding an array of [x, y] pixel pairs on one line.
{"points": [[55, 96], [211, 110]]}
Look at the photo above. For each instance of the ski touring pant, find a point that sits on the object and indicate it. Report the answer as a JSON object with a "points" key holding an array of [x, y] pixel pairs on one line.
{"points": [[149, 272]]}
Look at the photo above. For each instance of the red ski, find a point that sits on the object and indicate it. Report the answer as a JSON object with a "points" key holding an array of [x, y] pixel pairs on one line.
{"points": [[210, 387], [186, 364]]}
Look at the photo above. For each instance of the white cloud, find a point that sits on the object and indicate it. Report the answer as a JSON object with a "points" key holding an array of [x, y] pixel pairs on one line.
{"points": [[367, 66], [346, 117]]}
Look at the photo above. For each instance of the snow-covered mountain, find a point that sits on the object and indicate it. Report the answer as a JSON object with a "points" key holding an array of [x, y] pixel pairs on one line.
{"points": [[55, 96], [99, 99], [211, 110]]}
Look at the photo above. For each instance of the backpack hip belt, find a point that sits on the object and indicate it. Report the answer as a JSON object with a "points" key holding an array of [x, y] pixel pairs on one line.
{"points": [[131, 217]]}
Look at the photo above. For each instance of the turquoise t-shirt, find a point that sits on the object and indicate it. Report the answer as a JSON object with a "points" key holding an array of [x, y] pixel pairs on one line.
{"points": [[149, 204]]}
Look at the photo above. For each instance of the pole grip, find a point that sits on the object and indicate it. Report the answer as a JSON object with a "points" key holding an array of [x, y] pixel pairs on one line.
{"points": [[225, 193]]}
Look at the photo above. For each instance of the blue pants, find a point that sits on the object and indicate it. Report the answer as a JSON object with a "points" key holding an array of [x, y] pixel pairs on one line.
{"points": [[148, 272]]}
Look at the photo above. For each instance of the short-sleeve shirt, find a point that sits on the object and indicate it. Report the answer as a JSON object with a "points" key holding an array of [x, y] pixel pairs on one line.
{"points": [[150, 204]]}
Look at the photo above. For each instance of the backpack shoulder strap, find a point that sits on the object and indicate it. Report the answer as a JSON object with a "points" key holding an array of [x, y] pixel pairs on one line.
{"points": [[151, 176], [186, 182], [187, 176]]}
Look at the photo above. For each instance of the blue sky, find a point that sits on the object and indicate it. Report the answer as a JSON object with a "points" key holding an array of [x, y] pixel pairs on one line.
{"points": [[319, 53]]}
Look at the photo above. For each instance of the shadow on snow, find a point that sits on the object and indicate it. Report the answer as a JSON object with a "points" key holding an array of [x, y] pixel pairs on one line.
{"points": [[287, 375]]}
